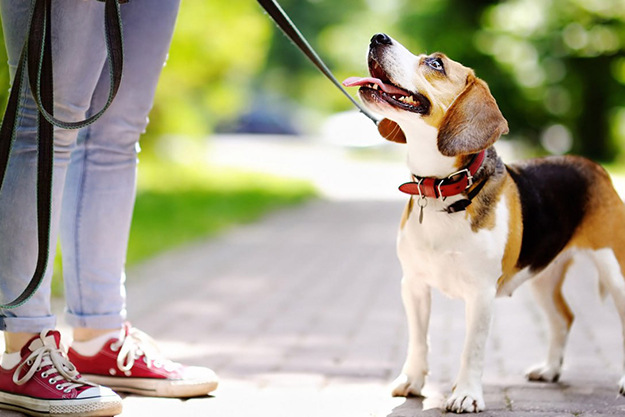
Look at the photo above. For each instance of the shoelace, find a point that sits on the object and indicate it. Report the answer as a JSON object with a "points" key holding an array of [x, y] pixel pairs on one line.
{"points": [[133, 344], [59, 368]]}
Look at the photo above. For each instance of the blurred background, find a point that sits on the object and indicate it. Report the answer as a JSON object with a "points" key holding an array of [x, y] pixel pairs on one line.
{"points": [[556, 68]]}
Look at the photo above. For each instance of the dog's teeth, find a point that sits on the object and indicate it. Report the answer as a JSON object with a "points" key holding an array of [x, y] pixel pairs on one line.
{"points": [[405, 99], [375, 86]]}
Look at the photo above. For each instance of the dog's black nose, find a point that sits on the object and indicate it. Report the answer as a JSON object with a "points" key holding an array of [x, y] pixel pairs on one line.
{"points": [[380, 39]]}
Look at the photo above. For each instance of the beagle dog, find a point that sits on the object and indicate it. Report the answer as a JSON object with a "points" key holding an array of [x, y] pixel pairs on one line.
{"points": [[476, 228]]}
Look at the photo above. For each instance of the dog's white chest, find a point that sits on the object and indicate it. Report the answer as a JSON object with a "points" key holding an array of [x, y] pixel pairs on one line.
{"points": [[445, 253]]}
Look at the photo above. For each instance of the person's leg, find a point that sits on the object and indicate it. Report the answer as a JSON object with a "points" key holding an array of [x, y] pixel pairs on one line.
{"points": [[78, 54], [97, 208], [100, 188], [36, 378]]}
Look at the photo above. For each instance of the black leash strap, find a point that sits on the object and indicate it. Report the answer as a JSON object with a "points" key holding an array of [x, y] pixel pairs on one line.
{"points": [[37, 58], [38, 40], [290, 30], [462, 205]]}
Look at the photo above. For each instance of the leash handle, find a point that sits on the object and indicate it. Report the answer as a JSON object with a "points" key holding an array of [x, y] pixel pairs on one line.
{"points": [[290, 30], [38, 41]]}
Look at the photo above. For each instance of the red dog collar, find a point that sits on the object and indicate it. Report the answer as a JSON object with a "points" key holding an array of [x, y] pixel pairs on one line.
{"points": [[454, 184]]}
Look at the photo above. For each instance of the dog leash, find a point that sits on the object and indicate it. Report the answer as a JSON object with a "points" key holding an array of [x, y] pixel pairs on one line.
{"points": [[290, 30], [36, 60]]}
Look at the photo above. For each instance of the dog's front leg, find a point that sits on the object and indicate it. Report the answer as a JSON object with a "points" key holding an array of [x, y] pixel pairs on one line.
{"points": [[467, 395], [416, 297]]}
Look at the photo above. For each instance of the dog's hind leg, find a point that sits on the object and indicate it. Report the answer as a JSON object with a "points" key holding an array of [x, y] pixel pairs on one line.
{"points": [[610, 264], [416, 297], [547, 289]]}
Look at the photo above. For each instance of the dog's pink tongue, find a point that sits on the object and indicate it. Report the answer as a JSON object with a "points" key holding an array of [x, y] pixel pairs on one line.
{"points": [[387, 88]]}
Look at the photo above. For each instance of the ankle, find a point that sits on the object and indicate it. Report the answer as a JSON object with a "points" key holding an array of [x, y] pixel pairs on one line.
{"points": [[84, 334], [94, 345], [14, 342]]}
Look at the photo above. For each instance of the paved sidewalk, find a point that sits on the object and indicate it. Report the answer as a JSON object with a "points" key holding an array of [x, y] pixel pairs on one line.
{"points": [[300, 315]]}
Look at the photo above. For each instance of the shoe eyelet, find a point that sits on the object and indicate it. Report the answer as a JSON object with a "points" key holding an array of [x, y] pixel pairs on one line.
{"points": [[29, 362], [44, 375], [52, 380], [59, 387]]}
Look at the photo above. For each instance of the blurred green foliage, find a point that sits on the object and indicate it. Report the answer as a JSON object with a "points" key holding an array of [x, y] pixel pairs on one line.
{"points": [[567, 61], [556, 67], [218, 49]]}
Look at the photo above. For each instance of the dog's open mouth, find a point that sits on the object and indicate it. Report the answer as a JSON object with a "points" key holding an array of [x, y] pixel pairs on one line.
{"points": [[380, 86]]}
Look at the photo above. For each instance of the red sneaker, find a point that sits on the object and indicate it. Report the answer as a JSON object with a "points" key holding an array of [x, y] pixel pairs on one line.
{"points": [[45, 383], [132, 363]]}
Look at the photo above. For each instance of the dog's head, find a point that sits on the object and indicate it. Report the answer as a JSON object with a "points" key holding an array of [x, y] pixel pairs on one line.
{"points": [[432, 89]]}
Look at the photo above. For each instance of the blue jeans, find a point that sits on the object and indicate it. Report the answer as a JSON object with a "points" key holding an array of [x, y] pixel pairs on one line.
{"points": [[94, 183]]}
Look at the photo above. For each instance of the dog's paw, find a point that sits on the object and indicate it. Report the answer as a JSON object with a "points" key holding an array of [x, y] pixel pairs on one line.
{"points": [[404, 386], [621, 386], [544, 373], [465, 401]]}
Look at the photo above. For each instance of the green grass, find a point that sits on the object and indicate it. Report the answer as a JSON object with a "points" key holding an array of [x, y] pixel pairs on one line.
{"points": [[178, 204], [176, 208]]}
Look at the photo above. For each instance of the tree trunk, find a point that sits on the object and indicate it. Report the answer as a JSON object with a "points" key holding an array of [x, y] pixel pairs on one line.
{"points": [[593, 127]]}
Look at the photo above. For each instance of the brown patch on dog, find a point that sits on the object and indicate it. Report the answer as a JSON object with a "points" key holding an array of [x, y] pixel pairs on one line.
{"points": [[604, 224], [515, 232], [441, 89], [473, 122], [482, 209], [391, 131], [406, 215], [463, 161], [558, 299]]}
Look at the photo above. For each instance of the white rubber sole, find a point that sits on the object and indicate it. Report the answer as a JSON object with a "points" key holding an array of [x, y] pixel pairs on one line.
{"points": [[153, 387], [83, 407]]}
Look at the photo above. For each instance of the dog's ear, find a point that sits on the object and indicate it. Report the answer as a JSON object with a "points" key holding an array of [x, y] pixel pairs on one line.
{"points": [[391, 131], [473, 122]]}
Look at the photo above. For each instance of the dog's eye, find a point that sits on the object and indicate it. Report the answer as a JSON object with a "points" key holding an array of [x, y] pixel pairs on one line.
{"points": [[435, 64]]}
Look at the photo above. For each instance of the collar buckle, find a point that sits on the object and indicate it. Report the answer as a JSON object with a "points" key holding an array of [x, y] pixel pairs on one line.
{"points": [[467, 173]]}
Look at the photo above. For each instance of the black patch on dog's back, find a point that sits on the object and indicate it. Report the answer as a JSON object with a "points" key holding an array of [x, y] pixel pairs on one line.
{"points": [[554, 195]]}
